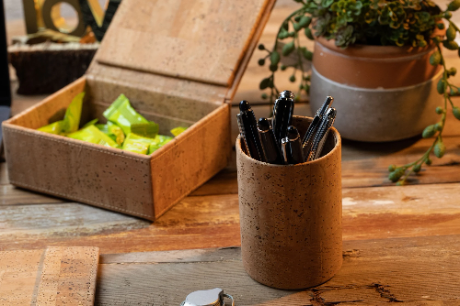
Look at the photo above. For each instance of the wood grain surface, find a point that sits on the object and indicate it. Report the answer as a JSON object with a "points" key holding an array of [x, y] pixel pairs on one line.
{"points": [[213, 221], [374, 272]]}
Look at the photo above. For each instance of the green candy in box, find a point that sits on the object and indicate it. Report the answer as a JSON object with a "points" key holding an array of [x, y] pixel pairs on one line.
{"points": [[125, 128]]}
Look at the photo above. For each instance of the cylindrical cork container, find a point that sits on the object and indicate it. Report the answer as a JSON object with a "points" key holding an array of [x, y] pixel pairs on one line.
{"points": [[291, 216]]}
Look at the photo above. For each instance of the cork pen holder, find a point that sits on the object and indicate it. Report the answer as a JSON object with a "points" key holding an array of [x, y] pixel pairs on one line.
{"points": [[291, 216]]}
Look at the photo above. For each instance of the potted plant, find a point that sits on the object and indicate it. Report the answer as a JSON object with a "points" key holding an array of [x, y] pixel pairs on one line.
{"points": [[382, 60]]}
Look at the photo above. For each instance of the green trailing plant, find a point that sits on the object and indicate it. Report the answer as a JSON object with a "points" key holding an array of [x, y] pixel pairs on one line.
{"points": [[416, 23]]}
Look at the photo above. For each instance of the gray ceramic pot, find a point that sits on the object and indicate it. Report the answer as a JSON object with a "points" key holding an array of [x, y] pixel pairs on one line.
{"points": [[378, 115], [381, 93]]}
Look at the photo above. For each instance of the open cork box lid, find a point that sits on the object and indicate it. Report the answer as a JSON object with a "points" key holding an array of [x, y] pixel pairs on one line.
{"points": [[172, 46]]}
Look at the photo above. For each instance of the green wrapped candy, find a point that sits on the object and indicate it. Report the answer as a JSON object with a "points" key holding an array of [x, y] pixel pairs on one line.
{"points": [[158, 142], [94, 135], [144, 145], [92, 122], [71, 119], [142, 135], [113, 131], [123, 114], [53, 128], [178, 130], [73, 114], [149, 130], [137, 143]]}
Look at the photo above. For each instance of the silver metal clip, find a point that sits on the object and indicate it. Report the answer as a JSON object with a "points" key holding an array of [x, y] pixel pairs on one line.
{"points": [[307, 143], [321, 135], [211, 297]]}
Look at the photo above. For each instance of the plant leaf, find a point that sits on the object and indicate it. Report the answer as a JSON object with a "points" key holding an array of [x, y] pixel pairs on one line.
{"points": [[456, 112], [275, 58], [308, 33], [439, 149], [288, 48], [429, 131], [451, 45], [265, 83], [451, 33], [435, 58], [441, 86], [453, 6]]}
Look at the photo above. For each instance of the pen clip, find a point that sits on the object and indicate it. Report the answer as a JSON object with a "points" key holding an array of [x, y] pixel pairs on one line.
{"points": [[324, 108], [321, 135], [244, 142], [313, 128], [308, 139], [285, 149]]}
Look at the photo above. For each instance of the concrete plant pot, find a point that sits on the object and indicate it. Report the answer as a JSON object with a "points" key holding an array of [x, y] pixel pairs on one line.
{"points": [[382, 93]]}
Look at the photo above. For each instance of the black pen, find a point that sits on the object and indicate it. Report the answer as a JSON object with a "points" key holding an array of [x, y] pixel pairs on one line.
{"points": [[321, 135], [282, 114], [269, 144], [307, 141], [248, 130], [292, 147]]}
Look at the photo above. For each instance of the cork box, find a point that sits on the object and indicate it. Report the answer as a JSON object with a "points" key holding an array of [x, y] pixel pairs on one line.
{"points": [[179, 63]]}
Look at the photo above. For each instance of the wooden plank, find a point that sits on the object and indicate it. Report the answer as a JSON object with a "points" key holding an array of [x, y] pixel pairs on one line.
{"points": [[199, 225], [222, 183], [10, 195], [53, 222], [367, 164], [213, 221], [4, 174], [383, 212], [413, 271], [184, 256]]}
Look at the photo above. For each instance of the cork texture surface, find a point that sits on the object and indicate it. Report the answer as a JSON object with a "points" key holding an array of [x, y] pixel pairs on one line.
{"points": [[55, 276], [144, 186], [290, 217], [201, 40]]}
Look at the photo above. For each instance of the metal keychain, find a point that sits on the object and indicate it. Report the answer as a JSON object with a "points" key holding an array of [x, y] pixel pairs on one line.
{"points": [[211, 297]]}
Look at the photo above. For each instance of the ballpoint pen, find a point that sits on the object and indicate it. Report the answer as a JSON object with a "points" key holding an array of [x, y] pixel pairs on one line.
{"points": [[282, 114], [292, 147], [321, 135], [314, 125], [269, 144], [248, 129]]}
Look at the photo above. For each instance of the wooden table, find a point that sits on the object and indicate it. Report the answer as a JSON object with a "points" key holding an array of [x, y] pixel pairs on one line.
{"points": [[401, 244]]}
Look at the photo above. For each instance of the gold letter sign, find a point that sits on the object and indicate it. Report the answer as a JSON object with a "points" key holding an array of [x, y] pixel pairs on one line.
{"points": [[41, 14]]}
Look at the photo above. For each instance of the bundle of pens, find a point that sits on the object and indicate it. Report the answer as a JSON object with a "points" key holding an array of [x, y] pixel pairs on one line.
{"points": [[280, 142]]}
